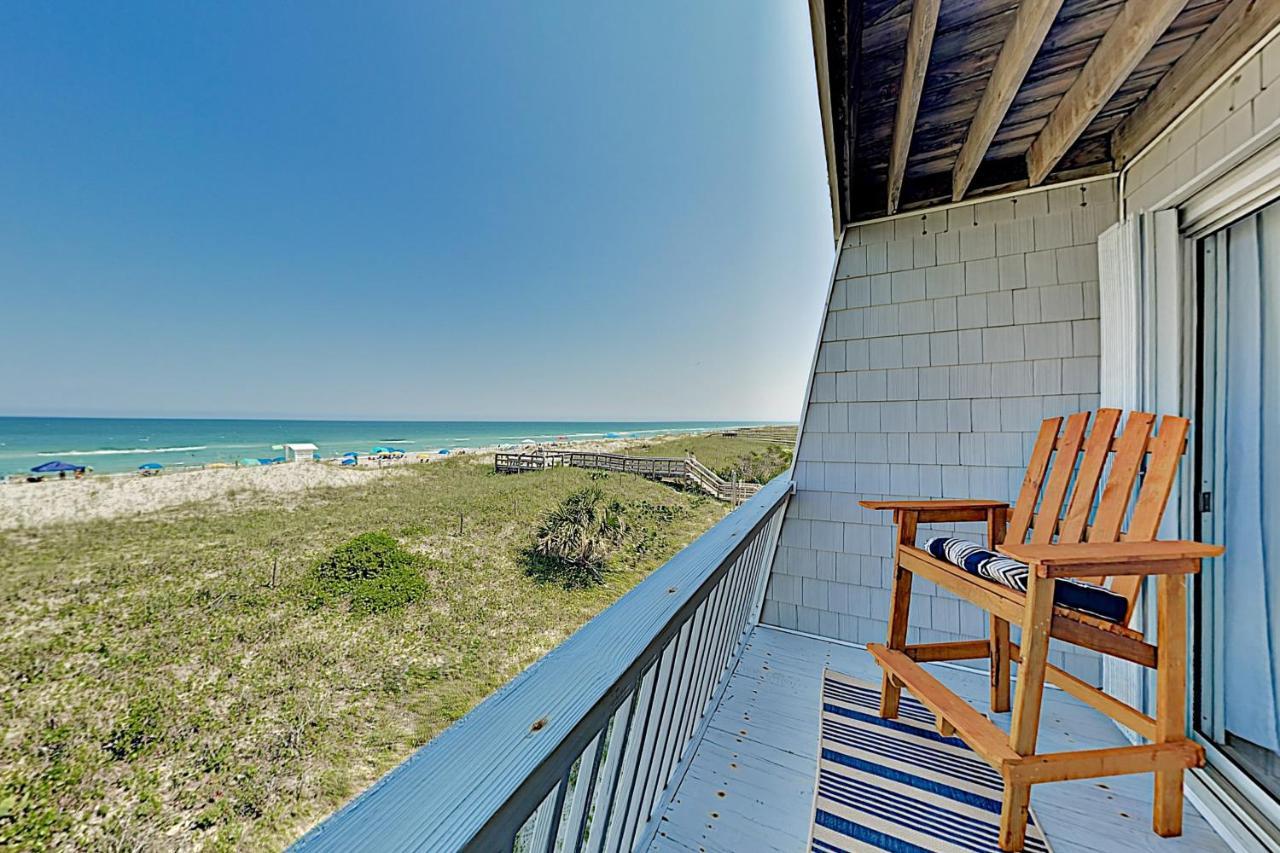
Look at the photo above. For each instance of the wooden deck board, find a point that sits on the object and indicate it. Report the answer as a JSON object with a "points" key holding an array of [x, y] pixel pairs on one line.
{"points": [[760, 750]]}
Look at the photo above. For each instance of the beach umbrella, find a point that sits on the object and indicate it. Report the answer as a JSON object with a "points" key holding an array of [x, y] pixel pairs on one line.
{"points": [[56, 467], [444, 451], [349, 460], [249, 461], [612, 435], [151, 466]]}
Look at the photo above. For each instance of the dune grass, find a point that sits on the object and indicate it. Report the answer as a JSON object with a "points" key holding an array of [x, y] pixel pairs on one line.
{"points": [[174, 681], [753, 460]]}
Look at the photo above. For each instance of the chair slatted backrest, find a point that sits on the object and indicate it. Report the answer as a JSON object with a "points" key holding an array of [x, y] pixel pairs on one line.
{"points": [[1063, 456]]}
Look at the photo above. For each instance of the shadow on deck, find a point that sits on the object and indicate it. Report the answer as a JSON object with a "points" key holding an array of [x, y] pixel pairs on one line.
{"points": [[750, 783]]}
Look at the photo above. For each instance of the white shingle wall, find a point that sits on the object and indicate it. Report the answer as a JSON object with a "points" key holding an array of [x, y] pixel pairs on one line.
{"points": [[1240, 108], [950, 336]]}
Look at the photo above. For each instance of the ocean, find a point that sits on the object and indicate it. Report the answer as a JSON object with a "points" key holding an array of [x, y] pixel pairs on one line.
{"points": [[110, 445]]}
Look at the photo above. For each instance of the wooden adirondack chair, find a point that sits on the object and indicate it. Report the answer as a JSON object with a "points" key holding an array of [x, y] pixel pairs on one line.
{"points": [[1083, 544]]}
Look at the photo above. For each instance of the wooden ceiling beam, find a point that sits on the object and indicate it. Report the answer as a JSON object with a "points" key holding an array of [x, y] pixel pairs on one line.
{"points": [[1030, 26], [1236, 29], [924, 22], [1133, 33], [853, 60]]}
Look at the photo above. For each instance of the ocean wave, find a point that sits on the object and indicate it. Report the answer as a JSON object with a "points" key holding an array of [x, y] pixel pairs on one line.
{"points": [[118, 452]]}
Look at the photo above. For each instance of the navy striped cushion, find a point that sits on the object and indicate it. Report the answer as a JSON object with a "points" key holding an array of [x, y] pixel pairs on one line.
{"points": [[1076, 595]]}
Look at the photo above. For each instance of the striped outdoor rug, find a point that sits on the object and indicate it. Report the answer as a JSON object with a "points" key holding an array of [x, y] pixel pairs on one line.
{"points": [[898, 784]]}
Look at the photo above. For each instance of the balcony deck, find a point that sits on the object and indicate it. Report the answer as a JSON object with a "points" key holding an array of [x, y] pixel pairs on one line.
{"points": [[760, 750]]}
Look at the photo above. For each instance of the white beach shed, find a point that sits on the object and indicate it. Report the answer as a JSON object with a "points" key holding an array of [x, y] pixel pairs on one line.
{"points": [[304, 452]]}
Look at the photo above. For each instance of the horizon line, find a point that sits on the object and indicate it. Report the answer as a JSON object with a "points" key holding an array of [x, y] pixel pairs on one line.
{"points": [[594, 419]]}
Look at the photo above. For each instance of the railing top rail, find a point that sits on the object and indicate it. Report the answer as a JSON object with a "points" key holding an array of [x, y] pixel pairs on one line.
{"points": [[615, 456], [525, 735]]}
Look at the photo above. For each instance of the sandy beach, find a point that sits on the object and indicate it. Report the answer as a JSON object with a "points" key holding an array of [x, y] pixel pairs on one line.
{"points": [[111, 496]]}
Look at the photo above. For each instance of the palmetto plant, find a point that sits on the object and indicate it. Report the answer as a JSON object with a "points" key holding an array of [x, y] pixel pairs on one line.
{"points": [[580, 533]]}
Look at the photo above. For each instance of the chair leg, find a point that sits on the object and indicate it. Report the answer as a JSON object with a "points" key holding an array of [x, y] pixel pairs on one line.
{"points": [[1026, 704], [1013, 816], [1000, 664], [1171, 698], [899, 608]]}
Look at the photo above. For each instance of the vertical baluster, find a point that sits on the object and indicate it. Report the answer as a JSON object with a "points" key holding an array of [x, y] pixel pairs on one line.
{"points": [[644, 763], [656, 780], [607, 787], [712, 675], [689, 686], [719, 658], [583, 788], [522, 842], [547, 825], [739, 600], [774, 528], [622, 796], [755, 557], [703, 616], [704, 657], [724, 627]]}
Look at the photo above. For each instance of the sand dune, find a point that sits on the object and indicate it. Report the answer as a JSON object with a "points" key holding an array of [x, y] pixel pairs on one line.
{"points": [[53, 501], [37, 504]]}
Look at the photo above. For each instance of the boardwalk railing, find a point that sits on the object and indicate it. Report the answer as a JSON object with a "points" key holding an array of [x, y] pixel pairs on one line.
{"points": [[580, 751], [687, 470]]}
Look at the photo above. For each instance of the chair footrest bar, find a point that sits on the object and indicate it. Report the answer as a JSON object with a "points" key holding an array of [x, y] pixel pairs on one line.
{"points": [[959, 650], [1115, 761], [1122, 713], [982, 735]]}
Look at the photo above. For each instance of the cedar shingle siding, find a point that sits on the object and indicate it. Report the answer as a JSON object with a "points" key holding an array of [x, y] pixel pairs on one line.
{"points": [[950, 335]]}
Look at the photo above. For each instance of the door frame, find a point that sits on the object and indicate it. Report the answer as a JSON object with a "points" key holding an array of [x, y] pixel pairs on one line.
{"points": [[1176, 314]]}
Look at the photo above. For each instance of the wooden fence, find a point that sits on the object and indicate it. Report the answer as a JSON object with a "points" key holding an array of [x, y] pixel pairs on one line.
{"points": [[688, 471]]}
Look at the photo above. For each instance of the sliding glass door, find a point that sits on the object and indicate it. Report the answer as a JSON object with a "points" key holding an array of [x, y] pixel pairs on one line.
{"points": [[1237, 713]]}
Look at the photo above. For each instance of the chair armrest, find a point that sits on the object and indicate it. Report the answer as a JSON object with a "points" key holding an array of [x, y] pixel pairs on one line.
{"points": [[940, 510], [937, 504], [1111, 559]]}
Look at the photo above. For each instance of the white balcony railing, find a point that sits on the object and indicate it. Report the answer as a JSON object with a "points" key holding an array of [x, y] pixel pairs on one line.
{"points": [[580, 751]]}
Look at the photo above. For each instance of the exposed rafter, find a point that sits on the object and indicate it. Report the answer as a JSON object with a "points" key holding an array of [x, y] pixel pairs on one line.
{"points": [[1240, 26], [1030, 26], [1134, 31], [852, 55], [924, 22]]}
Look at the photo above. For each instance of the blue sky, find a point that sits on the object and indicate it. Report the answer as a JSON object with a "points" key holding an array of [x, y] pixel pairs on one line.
{"points": [[418, 210]]}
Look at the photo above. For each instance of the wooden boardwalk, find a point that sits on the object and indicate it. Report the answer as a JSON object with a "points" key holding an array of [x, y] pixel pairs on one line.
{"points": [[687, 471]]}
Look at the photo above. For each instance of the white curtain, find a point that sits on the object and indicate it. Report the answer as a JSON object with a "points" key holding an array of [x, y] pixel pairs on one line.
{"points": [[1251, 499]]}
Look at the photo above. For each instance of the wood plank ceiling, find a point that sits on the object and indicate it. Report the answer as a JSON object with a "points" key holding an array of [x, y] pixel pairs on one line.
{"points": [[1049, 82]]}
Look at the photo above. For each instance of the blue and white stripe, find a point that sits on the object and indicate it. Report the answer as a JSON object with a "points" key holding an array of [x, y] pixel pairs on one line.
{"points": [[899, 785], [1077, 595]]}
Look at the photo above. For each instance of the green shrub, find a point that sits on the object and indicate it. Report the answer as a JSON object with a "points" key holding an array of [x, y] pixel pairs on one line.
{"points": [[366, 556], [375, 571], [576, 538], [393, 588]]}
